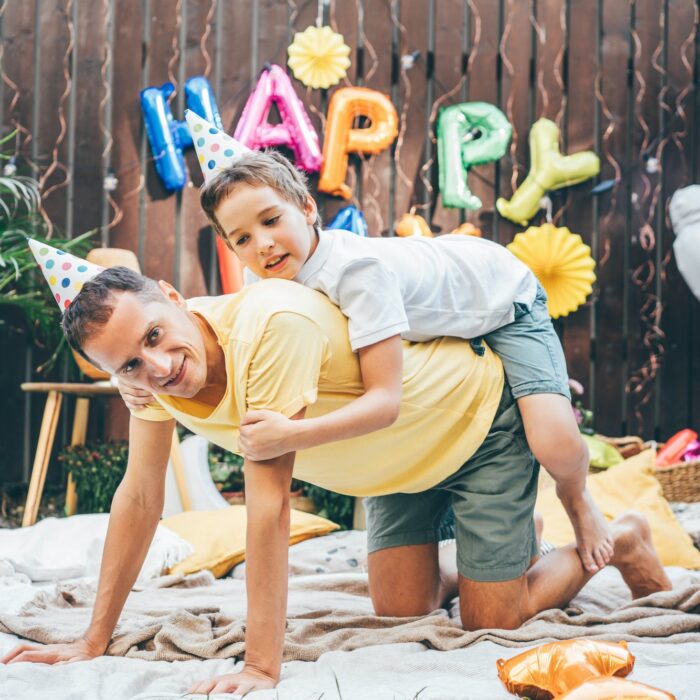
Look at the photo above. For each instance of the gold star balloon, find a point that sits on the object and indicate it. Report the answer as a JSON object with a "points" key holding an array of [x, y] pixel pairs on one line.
{"points": [[561, 262], [318, 57]]}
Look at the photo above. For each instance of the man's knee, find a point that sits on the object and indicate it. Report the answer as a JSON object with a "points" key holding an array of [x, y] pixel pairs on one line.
{"points": [[499, 605]]}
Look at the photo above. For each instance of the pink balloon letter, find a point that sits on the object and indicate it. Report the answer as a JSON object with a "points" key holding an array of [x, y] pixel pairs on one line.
{"points": [[295, 131]]}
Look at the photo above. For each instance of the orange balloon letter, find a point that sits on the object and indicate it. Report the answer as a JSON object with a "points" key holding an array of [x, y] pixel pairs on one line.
{"points": [[341, 139]]}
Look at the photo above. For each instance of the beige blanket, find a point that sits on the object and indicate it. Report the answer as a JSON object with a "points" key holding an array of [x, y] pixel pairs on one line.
{"points": [[197, 617]]}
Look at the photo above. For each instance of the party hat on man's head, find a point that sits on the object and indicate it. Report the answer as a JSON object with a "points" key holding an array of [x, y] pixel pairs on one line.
{"points": [[216, 150], [65, 273]]}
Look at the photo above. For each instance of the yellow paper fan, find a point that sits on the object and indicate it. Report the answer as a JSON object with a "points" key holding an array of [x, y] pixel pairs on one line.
{"points": [[562, 263], [318, 57]]}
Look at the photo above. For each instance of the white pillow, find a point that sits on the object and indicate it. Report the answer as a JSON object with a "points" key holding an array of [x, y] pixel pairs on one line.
{"points": [[60, 548]]}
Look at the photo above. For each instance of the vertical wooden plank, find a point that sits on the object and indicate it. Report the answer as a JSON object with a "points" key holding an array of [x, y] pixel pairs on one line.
{"points": [[18, 95], [54, 87], [673, 388], [449, 79], [410, 152], [580, 135], [377, 75], [516, 60], [195, 233], [484, 87], [127, 120], [612, 364], [159, 237], [342, 17], [645, 38], [89, 121]]}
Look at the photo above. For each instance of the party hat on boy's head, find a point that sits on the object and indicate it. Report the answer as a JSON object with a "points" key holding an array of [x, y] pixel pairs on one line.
{"points": [[216, 150], [65, 273]]}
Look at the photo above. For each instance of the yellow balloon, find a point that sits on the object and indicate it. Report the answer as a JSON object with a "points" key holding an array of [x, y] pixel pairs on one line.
{"points": [[562, 263], [549, 170]]}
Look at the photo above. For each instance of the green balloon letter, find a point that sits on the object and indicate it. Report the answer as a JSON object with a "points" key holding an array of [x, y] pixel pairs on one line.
{"points": [[469, 134]]}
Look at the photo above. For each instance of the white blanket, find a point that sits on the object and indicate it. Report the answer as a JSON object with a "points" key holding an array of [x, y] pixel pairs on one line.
{"points": [[66, 548]]}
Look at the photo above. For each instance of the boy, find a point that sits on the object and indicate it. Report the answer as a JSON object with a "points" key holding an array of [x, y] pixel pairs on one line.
{"points": [[390, 288]]}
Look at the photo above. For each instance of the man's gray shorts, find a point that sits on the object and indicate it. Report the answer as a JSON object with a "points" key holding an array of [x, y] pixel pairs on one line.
{"points": [[487, 505]]}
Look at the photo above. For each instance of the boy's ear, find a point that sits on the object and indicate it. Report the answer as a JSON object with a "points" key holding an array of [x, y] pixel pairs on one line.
{"points": [[310, 210], [169, 292]]}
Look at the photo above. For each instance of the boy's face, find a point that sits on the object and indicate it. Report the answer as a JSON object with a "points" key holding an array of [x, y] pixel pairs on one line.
{"points": [[272, 236], [152, 345]]}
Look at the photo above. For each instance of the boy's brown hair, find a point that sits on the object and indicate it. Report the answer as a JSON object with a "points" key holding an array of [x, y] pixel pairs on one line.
{"points": [[256, 169]]}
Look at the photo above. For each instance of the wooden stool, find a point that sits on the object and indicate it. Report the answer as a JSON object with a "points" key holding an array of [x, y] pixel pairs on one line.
{"points": [[47, 435]]}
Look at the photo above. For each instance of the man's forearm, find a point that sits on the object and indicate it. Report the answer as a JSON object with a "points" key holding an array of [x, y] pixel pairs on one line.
{"points": [[132, 524], [267, 549]]}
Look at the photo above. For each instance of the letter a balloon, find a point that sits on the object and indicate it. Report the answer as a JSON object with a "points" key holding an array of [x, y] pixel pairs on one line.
{"points": [[473, 133], [346, 105]]}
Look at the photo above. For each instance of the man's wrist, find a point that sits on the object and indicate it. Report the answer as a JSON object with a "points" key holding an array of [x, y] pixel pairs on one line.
{"points": [[96, 642]]}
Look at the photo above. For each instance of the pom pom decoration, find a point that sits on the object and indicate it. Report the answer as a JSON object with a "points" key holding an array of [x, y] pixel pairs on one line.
{"points": [[318, 57], [561, 262], [551, 670], [413, 225], [616, 689]]}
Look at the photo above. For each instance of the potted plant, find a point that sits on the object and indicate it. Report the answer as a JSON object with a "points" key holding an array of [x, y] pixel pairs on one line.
{"points": [[97, 469]]}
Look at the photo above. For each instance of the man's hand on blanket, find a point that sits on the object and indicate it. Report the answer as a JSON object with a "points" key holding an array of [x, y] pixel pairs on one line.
{"points": [[266, 435], [80, 650], [242, 683], [134, 398]]}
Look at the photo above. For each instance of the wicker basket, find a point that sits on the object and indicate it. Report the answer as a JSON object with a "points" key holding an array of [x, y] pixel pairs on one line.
{"points": [[681, 481]]}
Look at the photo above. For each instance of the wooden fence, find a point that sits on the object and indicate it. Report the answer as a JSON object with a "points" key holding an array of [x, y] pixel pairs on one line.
{"points": [[617, 77]]}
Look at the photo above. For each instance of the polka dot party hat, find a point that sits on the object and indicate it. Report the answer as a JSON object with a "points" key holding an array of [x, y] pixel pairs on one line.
{"points": [[65, 273], [216, 150]]}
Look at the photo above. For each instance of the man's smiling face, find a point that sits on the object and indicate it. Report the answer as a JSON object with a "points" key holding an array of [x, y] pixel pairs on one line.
{"points": [[152, 344]]}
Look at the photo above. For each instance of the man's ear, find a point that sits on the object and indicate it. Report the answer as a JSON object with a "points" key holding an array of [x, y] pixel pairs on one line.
{"points": [[169, 292], [310, 210]]}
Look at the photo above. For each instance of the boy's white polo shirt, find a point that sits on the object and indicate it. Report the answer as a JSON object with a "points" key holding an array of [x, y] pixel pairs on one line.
{"points": [[421, 288]]}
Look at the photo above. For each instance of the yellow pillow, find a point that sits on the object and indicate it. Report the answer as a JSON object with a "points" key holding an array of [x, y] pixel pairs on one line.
{"points": [[218, 536], [630, 485]]}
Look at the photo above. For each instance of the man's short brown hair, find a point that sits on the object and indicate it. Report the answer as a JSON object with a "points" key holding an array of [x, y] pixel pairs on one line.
{"points": [[257, 169], [93, 306]]}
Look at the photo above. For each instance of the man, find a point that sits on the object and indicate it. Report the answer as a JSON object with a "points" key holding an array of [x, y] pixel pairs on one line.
{"points": [[456, 451]]}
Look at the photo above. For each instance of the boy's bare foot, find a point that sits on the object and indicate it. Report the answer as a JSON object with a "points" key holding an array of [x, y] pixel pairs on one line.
{"points": [[593, 537], [635, 556]]}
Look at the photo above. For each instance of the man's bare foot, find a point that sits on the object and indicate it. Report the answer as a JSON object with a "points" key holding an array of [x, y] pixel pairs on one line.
{"points": [[635, 556], [593, 538]]}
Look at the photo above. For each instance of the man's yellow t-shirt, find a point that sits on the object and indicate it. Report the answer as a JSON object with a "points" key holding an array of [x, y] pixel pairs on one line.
{"points": [[286, 348]]}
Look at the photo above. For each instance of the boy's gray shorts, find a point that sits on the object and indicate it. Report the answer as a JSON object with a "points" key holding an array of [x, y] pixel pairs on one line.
{"points": [[532, 356], [487, 505]]}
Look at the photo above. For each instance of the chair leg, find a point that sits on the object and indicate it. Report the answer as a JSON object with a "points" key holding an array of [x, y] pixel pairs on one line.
{"points": [[49, 423], [179, 472], [80, 423]]}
